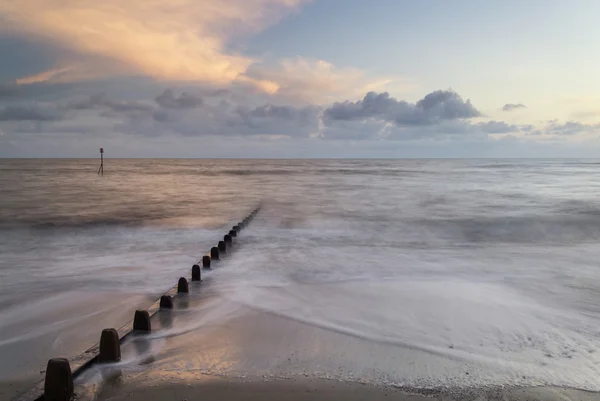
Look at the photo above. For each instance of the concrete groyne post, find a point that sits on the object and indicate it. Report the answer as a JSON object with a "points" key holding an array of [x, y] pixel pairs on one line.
{"points": [[196, 275], [141, 321], [236, 229], [233, 233], [166, 302], [58, 385], [110, 347], [222, 247], [228, 240], [214, 253], [182, 286], [206, 262]]}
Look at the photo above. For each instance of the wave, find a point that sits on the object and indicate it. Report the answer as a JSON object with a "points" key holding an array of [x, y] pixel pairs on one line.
{"points": [[427, 232], [297, 171], [124, 218], [516, 230]]}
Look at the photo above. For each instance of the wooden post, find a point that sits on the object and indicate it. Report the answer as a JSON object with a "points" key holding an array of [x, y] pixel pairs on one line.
{"points": [[101, 168]]}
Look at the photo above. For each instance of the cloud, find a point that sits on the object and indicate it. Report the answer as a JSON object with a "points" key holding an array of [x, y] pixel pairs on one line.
{"points": [[497, 127], [433, 108], [184, 41], [50, 75], [184, 101], [100, 101], [439, 117], [511, 106], [440, 114], [225, 119], [179, 40], [33, 112], [7, 90], [317, 81], [556, 130], [75, 68], [569, 128], [447, 130]]}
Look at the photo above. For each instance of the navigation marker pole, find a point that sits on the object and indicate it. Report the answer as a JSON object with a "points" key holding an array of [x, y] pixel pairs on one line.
{"points": [[101, 168]]}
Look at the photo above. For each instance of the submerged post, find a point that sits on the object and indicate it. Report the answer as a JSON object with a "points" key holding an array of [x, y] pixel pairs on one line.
{"points": [[206, 262], [214, 253]]}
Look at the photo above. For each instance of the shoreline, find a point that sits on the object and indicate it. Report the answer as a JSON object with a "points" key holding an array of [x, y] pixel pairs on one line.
{"points": [[166, 386], [163, 386]]}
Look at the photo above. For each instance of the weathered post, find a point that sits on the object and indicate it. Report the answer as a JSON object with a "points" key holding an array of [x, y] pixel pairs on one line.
{"points": [[58, 385], [110, 348], [182, 286], [141, 321], [196, 273], [166, 302]]}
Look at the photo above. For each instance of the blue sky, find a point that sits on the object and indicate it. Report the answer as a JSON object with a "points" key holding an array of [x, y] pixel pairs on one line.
{"points": [[300, 78]]}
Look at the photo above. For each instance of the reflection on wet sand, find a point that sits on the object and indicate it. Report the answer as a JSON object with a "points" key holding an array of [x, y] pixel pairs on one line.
{"points": [[165, 317]]}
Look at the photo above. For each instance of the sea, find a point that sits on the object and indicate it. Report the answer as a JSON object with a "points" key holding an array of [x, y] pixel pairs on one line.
{"points": [[488, 268]]}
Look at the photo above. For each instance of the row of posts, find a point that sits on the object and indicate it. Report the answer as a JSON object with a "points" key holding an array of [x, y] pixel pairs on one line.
{"points": [[58, 384]]}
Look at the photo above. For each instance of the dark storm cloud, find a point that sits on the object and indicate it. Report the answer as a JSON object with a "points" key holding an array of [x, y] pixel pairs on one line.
{"points": [[435, 107], [184, 101], [513, 106], [32, 112]]}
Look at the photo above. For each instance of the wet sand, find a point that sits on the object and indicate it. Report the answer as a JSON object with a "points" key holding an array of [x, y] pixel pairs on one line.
{"points": [[253, 355], [23, 357], [211, 348], [11, 388], [220, 388]]}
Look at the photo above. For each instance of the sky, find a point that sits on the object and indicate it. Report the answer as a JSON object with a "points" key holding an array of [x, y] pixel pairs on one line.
{"points": [[300, 78]]}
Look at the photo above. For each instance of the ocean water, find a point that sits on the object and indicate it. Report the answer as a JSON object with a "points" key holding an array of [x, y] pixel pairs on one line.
{"points": [[487, 265]]}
